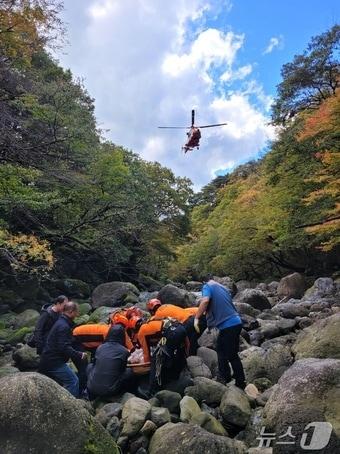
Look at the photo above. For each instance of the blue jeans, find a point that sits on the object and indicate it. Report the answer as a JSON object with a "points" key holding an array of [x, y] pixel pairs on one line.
{"points": [[65, 376]]}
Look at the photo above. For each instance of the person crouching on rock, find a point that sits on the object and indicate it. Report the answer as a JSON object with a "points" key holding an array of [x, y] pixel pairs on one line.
{"points": [[108, 374], [58, 351], [221, 313]]}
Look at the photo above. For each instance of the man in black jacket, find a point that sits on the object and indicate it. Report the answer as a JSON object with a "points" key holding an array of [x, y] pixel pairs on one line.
{"points": [[59, 350], [109, 375], [48, 316]]}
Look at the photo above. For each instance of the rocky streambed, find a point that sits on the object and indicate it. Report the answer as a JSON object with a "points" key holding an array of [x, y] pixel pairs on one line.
{"points": [[290, 350]]}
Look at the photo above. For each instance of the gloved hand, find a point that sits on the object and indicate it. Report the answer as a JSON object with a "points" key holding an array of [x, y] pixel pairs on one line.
{"points": [[196, 325]]}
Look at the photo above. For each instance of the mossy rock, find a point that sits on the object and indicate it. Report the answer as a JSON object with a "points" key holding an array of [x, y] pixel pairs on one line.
{"points": [[24, 427], [10, 298], [7, 370], [101, 315], [8, 319], [84, 307], [26, 318], [19, 335]]}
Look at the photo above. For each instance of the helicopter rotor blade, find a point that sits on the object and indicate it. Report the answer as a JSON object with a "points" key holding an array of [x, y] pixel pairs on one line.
{"points": [[212, 126], [174, 127], [192, 117]]}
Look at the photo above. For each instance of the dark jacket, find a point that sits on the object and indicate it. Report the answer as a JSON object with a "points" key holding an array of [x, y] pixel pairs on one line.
{"points": [[58, 349], [110, 364], [47, 319]]}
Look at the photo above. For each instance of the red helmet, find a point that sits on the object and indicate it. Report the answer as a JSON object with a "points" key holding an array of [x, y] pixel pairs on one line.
{"points": [[135, 321], [118, 318], [153, 304], [133, 311]]}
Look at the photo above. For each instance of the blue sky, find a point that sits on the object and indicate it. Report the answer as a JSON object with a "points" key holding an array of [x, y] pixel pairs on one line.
{"points": [[149, 62]]}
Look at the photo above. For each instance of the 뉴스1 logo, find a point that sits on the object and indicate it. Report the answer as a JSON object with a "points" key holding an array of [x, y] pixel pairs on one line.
{"points": [[310, 441]]}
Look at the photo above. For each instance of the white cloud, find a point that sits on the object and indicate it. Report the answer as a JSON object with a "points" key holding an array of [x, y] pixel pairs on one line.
{"points": [[240, 73], [211, 47], [147, 64], [275, 41]]}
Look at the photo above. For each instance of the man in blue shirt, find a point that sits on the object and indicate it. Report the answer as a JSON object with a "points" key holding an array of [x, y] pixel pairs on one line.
{"points": [[221, 313]]}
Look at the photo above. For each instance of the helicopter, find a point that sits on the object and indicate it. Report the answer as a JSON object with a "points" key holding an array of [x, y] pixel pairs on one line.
{"points": [[194, 133]]}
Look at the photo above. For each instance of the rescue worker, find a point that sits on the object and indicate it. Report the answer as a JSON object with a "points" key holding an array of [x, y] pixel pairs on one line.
{"points": [[90, 337], [166, 338], [108, 374], [221, 313], [183, 315], [58, 350]]}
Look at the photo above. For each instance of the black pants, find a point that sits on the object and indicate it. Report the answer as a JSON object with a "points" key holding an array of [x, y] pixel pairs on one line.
{"points": [[192, 334], [173, 364], [228, 342]]}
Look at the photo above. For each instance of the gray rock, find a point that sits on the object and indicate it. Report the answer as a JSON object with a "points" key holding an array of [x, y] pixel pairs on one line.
{"points": [[27, 318], [149, 428], [291, 309], [73, 288], [249, 323], [321, 340], [197, 368], [193, 439], [235, 407], [107, 412], [189, 409], [169, 400], [170, 294], [34, 411], [134, 414], [208, 339], [246, 309], [160, 416], [209, 423], [322, 287], [261, 363], [178, 386], [308, 391], [26, 358], [114, 427], [206, 390], [255, 298], [209, 358], [84, 308], [138, 444], [249, 434], [113, 294], [292, 286]]}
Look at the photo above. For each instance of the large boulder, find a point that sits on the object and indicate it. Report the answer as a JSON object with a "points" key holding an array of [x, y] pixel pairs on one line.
{"points": [[322, 288], [308, 391], [180, 438], [235, 407], [170, 294], [270, 363], [26, 318], [255, 298], [26, 358], [193, 286], [34, 412], [292, 286], [205, 389], [292, 308], [134, 414], [114, 294], [197, 367], [320, 340]]}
